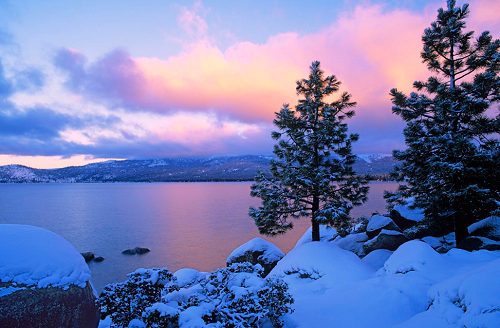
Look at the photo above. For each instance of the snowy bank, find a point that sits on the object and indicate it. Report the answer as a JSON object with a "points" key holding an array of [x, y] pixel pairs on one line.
{"points": [[35, 256], [414, 287]]}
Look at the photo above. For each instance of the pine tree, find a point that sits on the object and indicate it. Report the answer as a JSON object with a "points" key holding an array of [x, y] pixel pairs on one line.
{"points": [[312, 174], [451, 163]]}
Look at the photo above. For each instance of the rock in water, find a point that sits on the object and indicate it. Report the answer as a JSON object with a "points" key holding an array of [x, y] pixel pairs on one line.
{"points": [[130, 251], [88, 256], [257, 251], [98, 259], [141, 250], [44, 281]]}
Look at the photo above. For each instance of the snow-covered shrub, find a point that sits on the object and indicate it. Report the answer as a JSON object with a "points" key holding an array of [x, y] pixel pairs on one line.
{"points": [[161, 315], [241, 298], [127, 300], [304, 274], [236, 296]]}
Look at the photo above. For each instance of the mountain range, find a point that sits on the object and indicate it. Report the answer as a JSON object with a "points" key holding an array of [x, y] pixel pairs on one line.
{"points": [[223, 168]]}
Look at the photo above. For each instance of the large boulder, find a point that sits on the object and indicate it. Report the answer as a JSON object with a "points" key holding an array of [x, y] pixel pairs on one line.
{"points": [[489, 228], [441, 244], [257, 251], [24, 306], [386, 239], [379, 222], [44, 281], [474, 243]]}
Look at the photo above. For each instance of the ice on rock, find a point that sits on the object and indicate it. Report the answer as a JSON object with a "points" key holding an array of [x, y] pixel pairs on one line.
{"points": [[36, 256]]}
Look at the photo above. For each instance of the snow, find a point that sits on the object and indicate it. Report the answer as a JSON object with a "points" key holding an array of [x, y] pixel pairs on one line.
{"points": [[9, 290], [327, 260], [493, 222], [377, 222], [35, 256], [416, 214], [187, 276], [414, 287], [352, 242], [326, 233], [369, 158], [271, 252], [377, 258]]}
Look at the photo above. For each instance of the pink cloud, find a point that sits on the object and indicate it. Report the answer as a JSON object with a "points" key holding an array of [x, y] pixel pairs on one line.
{"points": [[370, 49], [191, 22]]}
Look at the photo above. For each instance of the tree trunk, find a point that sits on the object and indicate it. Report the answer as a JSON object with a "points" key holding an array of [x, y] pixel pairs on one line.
{"points": [[315, 224], [461, 229]]}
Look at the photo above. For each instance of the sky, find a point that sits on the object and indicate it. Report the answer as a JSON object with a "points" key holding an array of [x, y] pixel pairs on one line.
{"points": [[88, 81]]}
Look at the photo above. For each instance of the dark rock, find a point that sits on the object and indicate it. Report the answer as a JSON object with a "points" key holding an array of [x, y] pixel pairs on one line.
{"points": [[34, 307], [379, 222], [257, 251], [141, 250], [129, 251], [475, 243], [400, 221], [99, 259], [386, 239], [489, 228], [88, 256]]}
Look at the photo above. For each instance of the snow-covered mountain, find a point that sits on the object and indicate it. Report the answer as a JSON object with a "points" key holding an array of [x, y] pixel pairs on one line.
{"points": [[223, 168]]}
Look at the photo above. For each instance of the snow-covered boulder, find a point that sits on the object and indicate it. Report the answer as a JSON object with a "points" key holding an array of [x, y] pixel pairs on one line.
{"points": [[326, 233], [379, 222], [257, 251], [442, 244], [489, 228], [474, 243], [414, 255], [405, 217], [352, 243], [44, 281], [324, 262], [386, 239]]}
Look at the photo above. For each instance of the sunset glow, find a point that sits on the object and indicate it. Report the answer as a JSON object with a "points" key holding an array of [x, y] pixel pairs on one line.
{"points": [[194, 81]]}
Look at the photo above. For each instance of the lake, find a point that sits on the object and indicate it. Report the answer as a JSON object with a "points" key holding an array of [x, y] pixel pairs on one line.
{"points": [[193, 225]]}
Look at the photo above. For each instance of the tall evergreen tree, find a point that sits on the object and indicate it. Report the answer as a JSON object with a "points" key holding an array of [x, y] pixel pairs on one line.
{"points": [[312, 175], [451, 164]]}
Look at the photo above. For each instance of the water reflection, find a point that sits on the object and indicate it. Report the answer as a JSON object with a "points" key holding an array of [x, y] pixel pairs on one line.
{"points": [[193, 225]]}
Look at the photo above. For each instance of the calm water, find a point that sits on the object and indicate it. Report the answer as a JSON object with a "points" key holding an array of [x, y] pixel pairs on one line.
{"points": [[194, 225]]}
